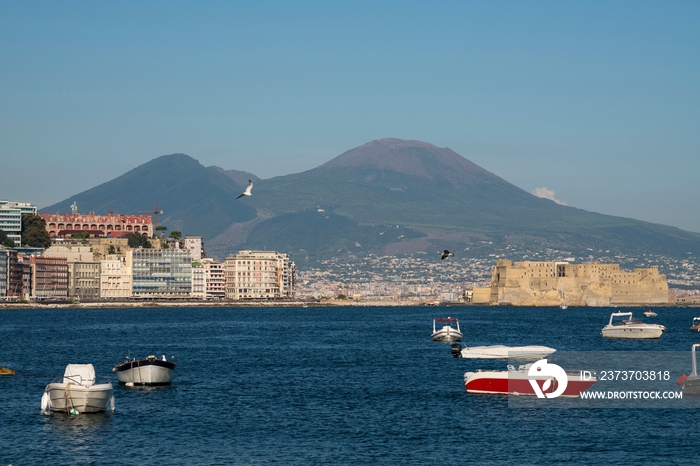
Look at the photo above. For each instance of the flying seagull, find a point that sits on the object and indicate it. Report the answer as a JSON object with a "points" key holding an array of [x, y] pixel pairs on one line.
{"points": [[445, 255], [247, 190]]}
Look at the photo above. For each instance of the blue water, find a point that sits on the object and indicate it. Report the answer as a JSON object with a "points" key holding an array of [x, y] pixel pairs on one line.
{"points": [[320, 386]]}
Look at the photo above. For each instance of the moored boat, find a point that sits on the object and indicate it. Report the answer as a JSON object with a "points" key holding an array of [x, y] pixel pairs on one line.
{"points": [[690, 383], [631, 328], [501, 352], [650, 313], [148, 371], [448, 332], [695, 326], [77, 392], [523, 381]]}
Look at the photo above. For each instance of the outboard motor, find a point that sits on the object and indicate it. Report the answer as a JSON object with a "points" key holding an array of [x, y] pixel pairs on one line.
{"points": [[456, 350]]}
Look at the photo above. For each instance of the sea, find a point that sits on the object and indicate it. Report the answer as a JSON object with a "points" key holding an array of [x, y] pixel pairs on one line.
{"points": [[324, 385]]}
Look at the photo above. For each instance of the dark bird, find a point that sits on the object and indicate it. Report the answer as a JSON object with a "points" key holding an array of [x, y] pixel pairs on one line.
{"points": [[247, 190], [445, 255]]}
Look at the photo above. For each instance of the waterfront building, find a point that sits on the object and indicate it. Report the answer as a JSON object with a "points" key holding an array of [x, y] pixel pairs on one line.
{"points": [[215, 279], [259, 275], [592, 284], [49, 277], [198, 281], [84, 280], [73, 251], [160, 273], [115, 278], [195, 246], [114, 225], [11, 218], [4, 272]]}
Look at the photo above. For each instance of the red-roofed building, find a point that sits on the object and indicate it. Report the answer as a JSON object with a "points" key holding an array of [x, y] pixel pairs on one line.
{"points": [[112, 225]]}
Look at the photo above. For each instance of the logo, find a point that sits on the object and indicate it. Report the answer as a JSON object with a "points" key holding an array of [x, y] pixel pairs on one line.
{"points": [[543, 371]]}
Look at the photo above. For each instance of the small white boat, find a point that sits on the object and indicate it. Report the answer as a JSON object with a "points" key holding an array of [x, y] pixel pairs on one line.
{"points": [[519, 382], [690, 383], [77, 392], [695, 326], [563, 306], [448, 332], [501, 352], [149, 371], [630, 328], [650, 313]]}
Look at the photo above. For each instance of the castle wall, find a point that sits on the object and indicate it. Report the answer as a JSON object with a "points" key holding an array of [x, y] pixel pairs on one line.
{"points": [[593, 284]]}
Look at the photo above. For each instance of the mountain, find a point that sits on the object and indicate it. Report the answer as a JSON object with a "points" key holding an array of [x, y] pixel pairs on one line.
{"points": [[237, 176], [444, 198], [388, 196], [194, 199]]}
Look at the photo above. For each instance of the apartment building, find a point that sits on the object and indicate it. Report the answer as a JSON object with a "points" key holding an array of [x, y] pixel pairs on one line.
{"points": [[11, 218], [215, 279], [259, 275], [160, 273], [115, 278]]}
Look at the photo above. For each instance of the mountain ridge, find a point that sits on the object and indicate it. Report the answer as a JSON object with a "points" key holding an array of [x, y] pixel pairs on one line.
{"points": [[436, 197]]}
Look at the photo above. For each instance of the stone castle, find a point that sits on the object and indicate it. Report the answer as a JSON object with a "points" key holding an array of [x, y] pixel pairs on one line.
{"points": [[592, 284]]}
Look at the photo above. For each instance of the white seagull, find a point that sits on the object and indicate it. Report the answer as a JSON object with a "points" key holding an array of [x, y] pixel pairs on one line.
{"points": [[247, 190]]}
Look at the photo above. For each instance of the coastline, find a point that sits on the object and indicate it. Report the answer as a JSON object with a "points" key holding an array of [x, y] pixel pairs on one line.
{"points": [[213, 304], [291, 304]]}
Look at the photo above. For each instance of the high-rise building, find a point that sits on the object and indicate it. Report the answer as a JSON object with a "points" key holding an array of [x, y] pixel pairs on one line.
{"points": [[215, 279], [4, 272], [195, 246], [11, 218], [84, 280], [160, 273], [49, 277], [259, 275], [115, 278], [198, 281]]}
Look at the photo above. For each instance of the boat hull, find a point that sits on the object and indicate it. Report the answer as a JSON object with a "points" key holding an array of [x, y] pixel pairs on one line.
{"points": [[145, 372], [518, 383], [506, 352], [66, 397], [691, 385], [447, 336], [630, 331]]}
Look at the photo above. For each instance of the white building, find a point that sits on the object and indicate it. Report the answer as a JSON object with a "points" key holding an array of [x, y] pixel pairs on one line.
{"points": [[259, 275], [215, 279], [195, 246], [11, 218], [115, 277], [198, 281]]}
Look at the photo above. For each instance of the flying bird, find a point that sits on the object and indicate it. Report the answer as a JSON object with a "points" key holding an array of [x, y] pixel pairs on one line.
{"points": [[247, 190], [445, 255]]}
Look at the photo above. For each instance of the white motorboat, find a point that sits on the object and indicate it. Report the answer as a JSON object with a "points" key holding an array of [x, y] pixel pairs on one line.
{"points": [[148, 371], [695, 326], [77, 392], [690, 383], [448, 332], [501, 352], [520, 382], [630, 328], [649, 313]]}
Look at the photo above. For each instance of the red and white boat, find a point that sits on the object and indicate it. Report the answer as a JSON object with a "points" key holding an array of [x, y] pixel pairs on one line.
{"points": [[522, 381]]}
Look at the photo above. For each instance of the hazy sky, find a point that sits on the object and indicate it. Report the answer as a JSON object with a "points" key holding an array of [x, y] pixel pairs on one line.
{"points": [[594, 104]]}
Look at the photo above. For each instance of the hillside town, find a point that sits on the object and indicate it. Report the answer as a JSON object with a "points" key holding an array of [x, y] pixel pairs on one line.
{"points": [[120, 257]]}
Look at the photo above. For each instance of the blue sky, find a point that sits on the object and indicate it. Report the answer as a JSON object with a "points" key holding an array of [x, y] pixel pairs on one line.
{"points": [[595, 103]]}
